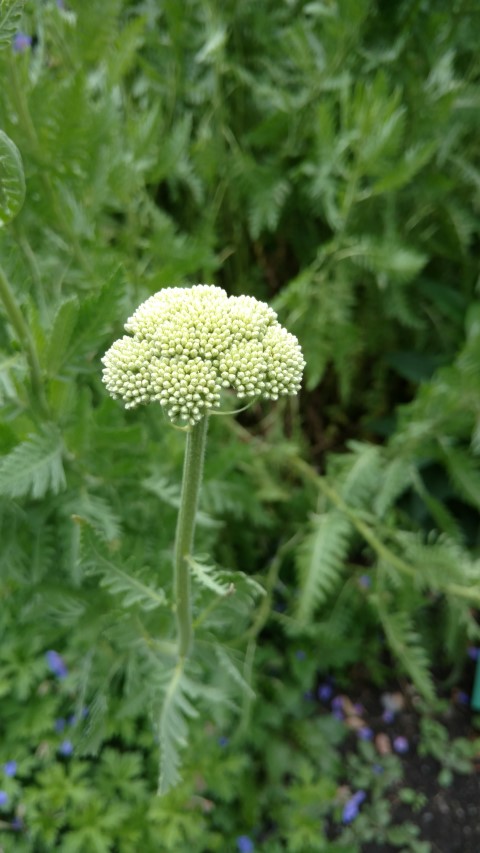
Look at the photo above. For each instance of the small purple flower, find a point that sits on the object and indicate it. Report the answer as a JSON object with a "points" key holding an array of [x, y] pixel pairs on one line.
{"points": [[377, 769], [338, 714], [352, 806], [245, 844], [388, 716], [21, 42], [223, 741], [359, 709], [56, 663], [300, 654], [3, 798], [10, 768], [401, 745], [337, 703], [365, 581], [365, 733], [473, 653], [463, 698], [324, 692], [66, 748]]}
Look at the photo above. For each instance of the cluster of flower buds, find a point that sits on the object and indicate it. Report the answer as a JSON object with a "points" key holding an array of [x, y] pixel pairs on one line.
{"points": [[186, 344]]}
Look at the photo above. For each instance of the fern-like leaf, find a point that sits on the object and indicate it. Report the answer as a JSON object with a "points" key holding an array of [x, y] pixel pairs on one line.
{"points": [[34, 467], [12, 180], [173, 730], [320, 561], [364, 476], [10, 14], [225, 659], [120, 582], [407, 645], [211, 578]]}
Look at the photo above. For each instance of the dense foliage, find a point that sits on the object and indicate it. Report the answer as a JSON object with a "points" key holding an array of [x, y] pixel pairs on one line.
{"points": [[321, 156]]}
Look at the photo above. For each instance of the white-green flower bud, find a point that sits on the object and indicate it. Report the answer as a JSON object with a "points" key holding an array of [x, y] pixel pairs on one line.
{"points": [[189, 343]]}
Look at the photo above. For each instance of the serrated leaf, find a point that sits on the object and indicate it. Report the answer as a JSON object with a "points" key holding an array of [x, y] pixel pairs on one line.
{"points": [[173, 726], [408, 646], [132, 590], [224, 657], [34, 467], [209, 577], [12, 180], [10, 14], [320, 559], [60, 335]]}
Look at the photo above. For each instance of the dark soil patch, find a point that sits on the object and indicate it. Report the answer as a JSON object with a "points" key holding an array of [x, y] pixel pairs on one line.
{"points": [[450, 817]]}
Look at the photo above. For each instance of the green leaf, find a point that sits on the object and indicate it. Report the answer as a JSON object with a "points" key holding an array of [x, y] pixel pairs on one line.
{"points": [[320, 561], [12, 180], [210, 577], [10, 14], [408, 646], [173, 726], [34, 467], [61, 334], [120, 582]]}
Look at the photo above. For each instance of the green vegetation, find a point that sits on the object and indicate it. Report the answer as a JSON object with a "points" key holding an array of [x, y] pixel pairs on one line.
{"points": [[321, 157]]}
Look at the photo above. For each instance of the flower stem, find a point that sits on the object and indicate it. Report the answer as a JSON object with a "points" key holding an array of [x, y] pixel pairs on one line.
{"points": [[22, 331], [192, 478]]}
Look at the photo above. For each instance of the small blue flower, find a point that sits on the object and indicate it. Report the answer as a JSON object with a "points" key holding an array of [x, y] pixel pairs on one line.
{"points": [[388, 716], [365, 733], [56, 663], [223, 741], [10, 768], [3, 798], [365, 581], [66, 747], [337, 703], [473, 653], [245, 844], [352, 806], [463, 698], [21, 42], [377, 769], [401, 745], [324, 692], [300, 654], [338, 714]]}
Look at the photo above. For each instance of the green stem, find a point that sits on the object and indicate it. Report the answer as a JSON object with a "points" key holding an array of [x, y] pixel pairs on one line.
{"points": [[22, 331], [192, 478]]}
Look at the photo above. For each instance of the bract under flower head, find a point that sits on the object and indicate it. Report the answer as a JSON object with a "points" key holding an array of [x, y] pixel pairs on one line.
{"points": [[187, 344]]}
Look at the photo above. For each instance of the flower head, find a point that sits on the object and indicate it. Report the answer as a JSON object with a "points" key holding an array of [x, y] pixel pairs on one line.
{"points": [[187, 344], [10, 768]]}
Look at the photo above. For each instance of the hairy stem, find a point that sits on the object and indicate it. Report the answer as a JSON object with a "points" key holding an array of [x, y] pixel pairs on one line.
{"points": [[22, 331], [192, 478]]}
